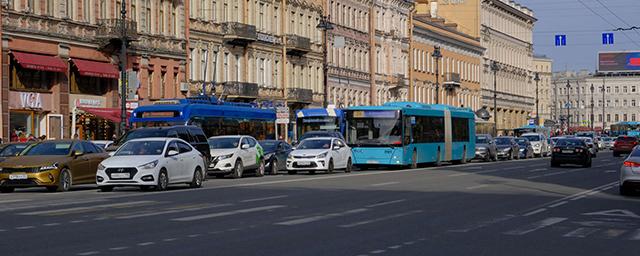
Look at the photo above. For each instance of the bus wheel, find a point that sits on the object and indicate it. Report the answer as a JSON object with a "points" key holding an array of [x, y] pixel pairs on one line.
{"points": [[414, 160]]}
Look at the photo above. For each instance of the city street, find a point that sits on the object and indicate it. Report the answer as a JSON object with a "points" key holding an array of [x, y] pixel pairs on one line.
{"points": [[519, 207]]}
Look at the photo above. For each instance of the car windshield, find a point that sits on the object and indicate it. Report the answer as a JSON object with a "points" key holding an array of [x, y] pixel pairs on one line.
{"points": [[503, 141], [482, 140], [569, 143], [141, 148], [532, 137], [268, 145], [144, 133], [522, 142], [607, 139], [375, 132], [314, 144], [12, 150], [215, 143], [49, 148]]}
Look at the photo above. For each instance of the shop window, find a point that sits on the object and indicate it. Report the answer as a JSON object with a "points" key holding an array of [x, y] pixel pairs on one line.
{"points": [[89, 85], [22, 125], [31, 80]]}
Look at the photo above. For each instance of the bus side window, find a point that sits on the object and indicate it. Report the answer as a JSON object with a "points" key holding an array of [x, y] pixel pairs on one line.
{"points": [[407, 130]]}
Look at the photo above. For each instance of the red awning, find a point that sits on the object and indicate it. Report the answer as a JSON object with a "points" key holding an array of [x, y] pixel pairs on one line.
{"points": [[96, 69], [39, 62], [111, 114]]}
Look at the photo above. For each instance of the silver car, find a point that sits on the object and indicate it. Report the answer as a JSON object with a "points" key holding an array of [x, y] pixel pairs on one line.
{"points": [[630, 173]]}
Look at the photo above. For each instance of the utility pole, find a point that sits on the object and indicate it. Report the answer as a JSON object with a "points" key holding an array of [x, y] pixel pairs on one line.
{"points": [[537, 79], [568, 106], [325, 26], [604, 105], [592, 89], [495, 68], [123, 68], [437, 55]]}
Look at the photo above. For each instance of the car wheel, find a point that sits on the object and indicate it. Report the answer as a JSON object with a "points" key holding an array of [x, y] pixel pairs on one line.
{"points": [[7, 190], [349, 166], [414, 160], [196, 182], [260, 170], [64, 182], [330, 167], [624, 190], [274, 167], [237, 170], [163, 181], [292, 172], [106, 188]]}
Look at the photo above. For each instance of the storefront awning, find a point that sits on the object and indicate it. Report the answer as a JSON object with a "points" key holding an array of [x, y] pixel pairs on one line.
{"points": [[96, 69], [39, 62], [111, 114]]}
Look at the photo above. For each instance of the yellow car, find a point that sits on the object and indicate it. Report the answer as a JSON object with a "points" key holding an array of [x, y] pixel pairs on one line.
{"points": [[55, 164]]}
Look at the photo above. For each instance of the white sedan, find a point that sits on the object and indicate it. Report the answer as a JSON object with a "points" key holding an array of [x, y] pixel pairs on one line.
{"points": [[152, 163], [320, 154]]}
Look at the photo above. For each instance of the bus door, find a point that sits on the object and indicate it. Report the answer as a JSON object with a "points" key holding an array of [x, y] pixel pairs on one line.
{"points": [[448, 145], [407, 138]]}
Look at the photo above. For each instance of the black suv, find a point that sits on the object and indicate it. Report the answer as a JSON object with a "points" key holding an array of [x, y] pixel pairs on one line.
{"points": [[191, 134]]}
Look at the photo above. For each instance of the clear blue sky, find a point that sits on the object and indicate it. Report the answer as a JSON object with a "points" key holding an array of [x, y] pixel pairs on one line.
{"points": [[583, 29]]}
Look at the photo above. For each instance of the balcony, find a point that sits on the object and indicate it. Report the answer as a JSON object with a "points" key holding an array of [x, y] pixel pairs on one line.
{"points": [[300, 95], [451, 81], [237, 33], [238, 90], [298, 45], [112, 28], [398, 81]]}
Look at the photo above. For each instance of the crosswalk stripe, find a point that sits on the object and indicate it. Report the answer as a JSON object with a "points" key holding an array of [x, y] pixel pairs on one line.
{"points": [[536, 226], [87, 208], [222, 214]]}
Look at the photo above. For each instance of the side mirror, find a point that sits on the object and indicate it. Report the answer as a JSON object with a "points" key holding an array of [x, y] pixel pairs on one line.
{"points": [[336, 147], [77, 153], [244, 146], [172, 152]]}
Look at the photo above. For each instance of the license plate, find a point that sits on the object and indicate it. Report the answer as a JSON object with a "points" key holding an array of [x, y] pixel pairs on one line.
{"points": [[17, 176], [304, 163], [120, 175], [567, 151]]}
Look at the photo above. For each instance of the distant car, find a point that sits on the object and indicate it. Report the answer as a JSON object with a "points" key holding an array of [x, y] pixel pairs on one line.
{"points": [[320, 154], [507, 148], [486, 147], [526, 148], [608, 142], [275, 155], [593, 149], [624, 145], [321, 134], [571, 151], [234, 155], [630, 173], [102, 143], [152, 163], [12, 149], [600, 143], [538, 142], [57, 165]]}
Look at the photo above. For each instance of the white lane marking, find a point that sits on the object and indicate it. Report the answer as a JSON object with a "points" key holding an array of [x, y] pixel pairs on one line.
{"points": [[610, 171], [77, 221], [536, 226], [557, 204], [169, 239], [477, 186], [355, 224], [52, 204], [148, 214], [87, 208], [14, 201], [263, 198], [88, 253], [578, 198], [581, 232], [221, 214], [321, 217], [118, 248], [25, 227], [538, 170], [534, 212], [409, 243], [145, 244], [384, 184], [377, 251], [3, 230], [393, 247], [193, 235], [51, 224], [635, 236], [573, 197], [386, 203], [460, 174], [593, 193]]}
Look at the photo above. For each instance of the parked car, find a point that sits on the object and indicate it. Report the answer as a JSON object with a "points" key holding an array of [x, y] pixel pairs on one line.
{"points": [[321, 134], [275, 155], [538, 142], [320, 154], [12, 149], [571, 151], [152, 163], [486, 147], [102, 143], [191, 134], [54, 164], [593, 149], [624, 145], [507, 148], [608, 142], [526, 148], [630, 173], [234, 155]]}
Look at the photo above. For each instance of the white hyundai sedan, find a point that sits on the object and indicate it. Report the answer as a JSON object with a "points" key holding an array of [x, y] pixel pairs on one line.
{"points": [[152, 163], [320, 154]]}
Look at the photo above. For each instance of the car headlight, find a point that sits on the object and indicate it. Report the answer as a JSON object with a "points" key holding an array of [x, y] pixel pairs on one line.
{"points": [[49, 167], [149, 165], [101, 167], [481, 149], [522, 149], [290, 157], [223, 157], [323, 155], [536, 145], [506, 149]]}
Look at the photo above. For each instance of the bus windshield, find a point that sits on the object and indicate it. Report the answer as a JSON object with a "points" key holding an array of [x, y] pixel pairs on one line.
{"points": [[375, 132], [327, 123]]}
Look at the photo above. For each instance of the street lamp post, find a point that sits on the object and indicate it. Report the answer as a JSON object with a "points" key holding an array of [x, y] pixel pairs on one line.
{"points": [[604, 104], [537, 79], [437, 55], [495, 68], [123, 68], [592, 89], [568, 106], [325, 25]]}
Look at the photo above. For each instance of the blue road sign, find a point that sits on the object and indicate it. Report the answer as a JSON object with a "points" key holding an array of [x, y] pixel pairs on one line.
{"points": [[607, 38], [561, 40]]}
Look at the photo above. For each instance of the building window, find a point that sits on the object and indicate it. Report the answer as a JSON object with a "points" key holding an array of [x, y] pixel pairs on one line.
{"points": [[600, 118], [624, 89], [633, 103], [624, 116], [624, 103], [133, 14], [633, 88], [161, 20], [192, 66], [238, 69], [213, 11], [163, 80], [203, 64], [225, 67], [148, 16], [617, 118], [633, 117], [608, 117], [617, 89], [174, 22], [103, 9]]}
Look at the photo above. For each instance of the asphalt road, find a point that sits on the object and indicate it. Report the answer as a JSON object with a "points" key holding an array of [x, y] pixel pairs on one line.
{"points": [[503, 208]]}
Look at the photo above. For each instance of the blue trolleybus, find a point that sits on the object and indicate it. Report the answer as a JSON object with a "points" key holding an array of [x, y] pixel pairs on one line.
{"points": [[214, 117], [625, 128], [320, 119], [408, 133]]}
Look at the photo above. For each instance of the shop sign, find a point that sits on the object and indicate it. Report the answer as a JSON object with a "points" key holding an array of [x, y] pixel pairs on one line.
{"points": [[88, 103], [132, 104], [31, 100]]}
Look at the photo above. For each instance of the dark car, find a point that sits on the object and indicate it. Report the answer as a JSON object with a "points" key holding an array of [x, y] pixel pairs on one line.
{"points": [[571, 151], [507, 148], [321, 134], [191, 134], [486, 147], [275, 154], [526, 149], [624, 145]]}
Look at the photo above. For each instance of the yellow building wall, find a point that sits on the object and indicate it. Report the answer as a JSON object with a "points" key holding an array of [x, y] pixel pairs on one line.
{"points": [[465, 13]]}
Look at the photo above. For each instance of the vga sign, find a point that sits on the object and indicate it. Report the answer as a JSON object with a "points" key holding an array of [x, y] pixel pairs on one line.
{"points": [[619, 61]]}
